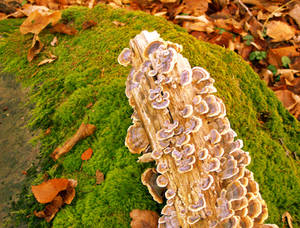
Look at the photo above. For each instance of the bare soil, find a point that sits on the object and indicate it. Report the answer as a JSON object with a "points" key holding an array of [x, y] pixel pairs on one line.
{"points": [[16, 153]]}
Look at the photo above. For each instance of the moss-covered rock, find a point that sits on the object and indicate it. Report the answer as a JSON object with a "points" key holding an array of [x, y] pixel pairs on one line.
{"points": [[87, 71]]}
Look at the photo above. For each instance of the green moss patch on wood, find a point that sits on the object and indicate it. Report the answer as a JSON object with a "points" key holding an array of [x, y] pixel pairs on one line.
{"points": [[87, 71]]}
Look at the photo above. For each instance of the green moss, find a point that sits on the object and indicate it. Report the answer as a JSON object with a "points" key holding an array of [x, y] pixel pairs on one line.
{"points": [[87, 71]]}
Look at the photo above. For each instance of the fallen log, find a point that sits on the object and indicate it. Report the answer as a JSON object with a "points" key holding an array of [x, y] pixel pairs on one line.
{"points": [[201, 168]]}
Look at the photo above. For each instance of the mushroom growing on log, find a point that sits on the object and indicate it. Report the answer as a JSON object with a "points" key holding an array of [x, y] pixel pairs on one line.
{"points": [[201, 164]]}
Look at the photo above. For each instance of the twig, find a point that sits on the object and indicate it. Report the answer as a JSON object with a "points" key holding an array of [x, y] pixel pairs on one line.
{"points": [[272, 14], [245, 7]]}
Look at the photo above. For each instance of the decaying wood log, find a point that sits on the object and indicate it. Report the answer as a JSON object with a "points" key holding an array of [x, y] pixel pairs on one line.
{"points": [[201, 168]]}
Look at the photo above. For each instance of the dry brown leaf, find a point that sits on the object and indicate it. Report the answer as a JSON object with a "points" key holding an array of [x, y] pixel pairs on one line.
{"points": [[47, 191], [69, 194], [195, 7], [88, 24], [296, 63], [65, 193], [287, 98], [86, 155], [266, 76], [275, 54], [27, 9], [280, 31], [35, 49], [89, 105], [288, 75], [287, 218], [295, 13], [45, 61], [84, 131], [199, 26], [143, 218], [2, 16], [54, 42], [48, 131], [36, 21], [118, 23], [62, 28], [99, 177], [51, 209]]}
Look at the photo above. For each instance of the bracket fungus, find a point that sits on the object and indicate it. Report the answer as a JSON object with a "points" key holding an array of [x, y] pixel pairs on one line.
{"points": [[201, 168]]}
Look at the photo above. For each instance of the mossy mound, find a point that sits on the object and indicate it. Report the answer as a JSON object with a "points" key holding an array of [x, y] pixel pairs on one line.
{"points": [[87, 71]]}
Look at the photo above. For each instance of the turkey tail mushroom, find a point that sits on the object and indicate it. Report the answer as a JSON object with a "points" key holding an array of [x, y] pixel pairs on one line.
{"points": [[200, 166]]}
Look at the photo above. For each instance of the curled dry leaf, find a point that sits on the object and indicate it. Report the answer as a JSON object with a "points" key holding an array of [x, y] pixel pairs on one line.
{"points": [[143, 218], [35, 49], [88, 24], [54, 42], [288, 99], [62, 28], [295, 13], [89, 105], [49, 60], [69, 194], [48, 131], [51, 209], [48, 190], [37, 21], [84, 131], [280, 31], [99, 177], [86, 155], [118, 23], [65, 193], [287, 218]]}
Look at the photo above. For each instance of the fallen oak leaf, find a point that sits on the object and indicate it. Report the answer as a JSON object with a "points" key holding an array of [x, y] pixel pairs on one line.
{"points": [[143, 218], [99, 177], [88, 24], [35, 49], [48, 190], [86, 155], [62, 28], [84, 131], [37, 21], [280, 31]]}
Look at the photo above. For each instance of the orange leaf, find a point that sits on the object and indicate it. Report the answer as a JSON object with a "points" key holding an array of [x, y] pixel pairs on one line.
{"points": [[51, 209], [143, 218], [47, 191], [86, 155]]}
